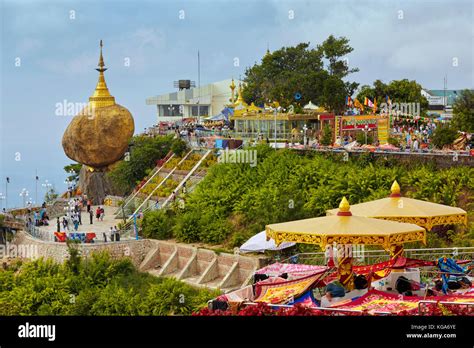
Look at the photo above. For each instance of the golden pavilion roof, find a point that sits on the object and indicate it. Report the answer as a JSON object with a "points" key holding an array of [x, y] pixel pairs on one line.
{"points": [[101, 96], [345, 228], [403, 209]]}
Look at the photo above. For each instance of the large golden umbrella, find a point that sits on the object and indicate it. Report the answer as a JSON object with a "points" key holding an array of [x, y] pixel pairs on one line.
{"points": [[346, 229], [403, 209]]}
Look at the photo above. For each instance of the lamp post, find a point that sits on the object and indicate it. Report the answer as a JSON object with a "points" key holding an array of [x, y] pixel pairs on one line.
{"points": [[305, 128], [36, 187], [46, 186], [2, 197], [7, 181], [366, 130], [24, 193]]}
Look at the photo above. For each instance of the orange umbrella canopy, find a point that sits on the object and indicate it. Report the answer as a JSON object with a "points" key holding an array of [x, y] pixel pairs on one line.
{"points": [[403, 209], [345, 228]]}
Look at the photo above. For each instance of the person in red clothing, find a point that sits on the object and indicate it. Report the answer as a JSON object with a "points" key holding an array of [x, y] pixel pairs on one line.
{"points": [[97, 213]]}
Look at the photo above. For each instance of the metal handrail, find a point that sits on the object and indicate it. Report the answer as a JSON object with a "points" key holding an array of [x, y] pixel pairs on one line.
{"points": [[155, 171]]}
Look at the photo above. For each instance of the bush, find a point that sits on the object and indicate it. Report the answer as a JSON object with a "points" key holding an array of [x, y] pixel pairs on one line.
{"points": [[326, 136], [101, 287], [235, 201], [144, 153], [360, 137], [179, 147], [444, 135], [158, 224]]}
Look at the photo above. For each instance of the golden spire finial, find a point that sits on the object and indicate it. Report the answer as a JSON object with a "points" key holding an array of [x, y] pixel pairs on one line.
{"points": [[240, 99], [101, 64], [232, 88], [344, 207], [395, 189], [101, 96]]}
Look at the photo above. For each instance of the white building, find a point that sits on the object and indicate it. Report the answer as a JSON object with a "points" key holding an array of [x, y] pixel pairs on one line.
{"points": [[208, 100]]}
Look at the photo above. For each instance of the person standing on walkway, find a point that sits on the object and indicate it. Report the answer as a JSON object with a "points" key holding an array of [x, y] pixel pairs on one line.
{"points": [[91, 215], [89, 203], [79, 216], [97, 213], [105, 237], [112, 234], [102, 213], [58, 225]]}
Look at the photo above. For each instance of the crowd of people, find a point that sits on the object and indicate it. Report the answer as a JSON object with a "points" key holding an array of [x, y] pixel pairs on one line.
{"points": [[72, 219]]}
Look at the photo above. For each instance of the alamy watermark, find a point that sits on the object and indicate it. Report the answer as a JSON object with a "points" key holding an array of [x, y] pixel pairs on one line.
{"points": [[238, 156], [67, 108], [28, 251], [400, 109], [338, 251]]}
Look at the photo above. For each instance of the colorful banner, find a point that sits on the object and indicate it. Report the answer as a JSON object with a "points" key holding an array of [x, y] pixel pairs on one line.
{"points": [[379, 301], [285, 291], [382, 130], [337, 127], [293, 270]]}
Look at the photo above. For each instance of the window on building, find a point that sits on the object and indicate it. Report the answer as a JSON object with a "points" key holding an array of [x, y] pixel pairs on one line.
{"points": [[171, 110], [203, 110]]}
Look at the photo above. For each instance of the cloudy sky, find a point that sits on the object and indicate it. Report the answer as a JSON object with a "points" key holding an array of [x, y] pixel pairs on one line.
{"points": [[50, 50]]}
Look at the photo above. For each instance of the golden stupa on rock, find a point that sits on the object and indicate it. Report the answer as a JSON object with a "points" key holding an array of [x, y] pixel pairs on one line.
{"points": [[99, 135]]}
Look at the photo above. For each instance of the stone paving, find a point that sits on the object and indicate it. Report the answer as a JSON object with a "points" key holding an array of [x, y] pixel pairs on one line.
{"points": [[97, 226]]}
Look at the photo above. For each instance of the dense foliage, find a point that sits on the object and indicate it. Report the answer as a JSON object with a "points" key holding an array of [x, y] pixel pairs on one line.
{"points": [[297, 75], [144, 153], [235, 201], [463, 110], [399, 91], [444, 135], [98, 286]]}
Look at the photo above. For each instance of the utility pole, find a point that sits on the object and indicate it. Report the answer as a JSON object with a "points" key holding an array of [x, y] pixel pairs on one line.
{"points": [[199, 88], [36, 187]]}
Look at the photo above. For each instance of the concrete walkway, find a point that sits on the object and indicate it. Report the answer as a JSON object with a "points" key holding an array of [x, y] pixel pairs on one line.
{"points": [[97, 226]]}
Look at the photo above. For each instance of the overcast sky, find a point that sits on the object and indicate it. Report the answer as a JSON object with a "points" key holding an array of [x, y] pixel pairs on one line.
{"points": [[55, 44]]}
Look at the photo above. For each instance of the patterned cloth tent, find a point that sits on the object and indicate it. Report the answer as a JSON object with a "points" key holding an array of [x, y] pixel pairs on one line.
{"points": [[347, 229], [403, 209]]}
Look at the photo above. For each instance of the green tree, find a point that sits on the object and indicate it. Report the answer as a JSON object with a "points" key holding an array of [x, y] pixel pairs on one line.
{"points": [[296, 75], [444, 135], [73, 171], [463, 110], [333, 49], [326, 138], [399, 91], [144, 154]]}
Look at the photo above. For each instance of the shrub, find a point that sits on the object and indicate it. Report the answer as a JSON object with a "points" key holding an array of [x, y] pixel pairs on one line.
{"points": [[444, 135], [158, 224], [326, 136]]}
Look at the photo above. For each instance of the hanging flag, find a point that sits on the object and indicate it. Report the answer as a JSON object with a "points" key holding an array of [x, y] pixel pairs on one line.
{"points": [[348, 101], [388, 100], [366, 101], [358, 104], [375, 105], [369, 103]]}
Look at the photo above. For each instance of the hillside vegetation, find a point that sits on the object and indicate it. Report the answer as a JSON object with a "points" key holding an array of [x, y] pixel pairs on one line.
{"points": [[235, 201]]}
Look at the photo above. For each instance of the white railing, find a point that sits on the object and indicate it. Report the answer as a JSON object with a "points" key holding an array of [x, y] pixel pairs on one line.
{"points": [[375, 256]]}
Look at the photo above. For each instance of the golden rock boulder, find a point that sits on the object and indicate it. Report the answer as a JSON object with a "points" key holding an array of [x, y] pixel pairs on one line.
{"points": [[100, 136]]}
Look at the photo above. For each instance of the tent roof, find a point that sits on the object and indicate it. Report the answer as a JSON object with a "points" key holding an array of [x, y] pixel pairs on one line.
{"points": [[345, 228], [403, 209]]}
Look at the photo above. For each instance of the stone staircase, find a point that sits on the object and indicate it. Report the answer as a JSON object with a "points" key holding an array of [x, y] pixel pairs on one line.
{"points": [[200, 267]]}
